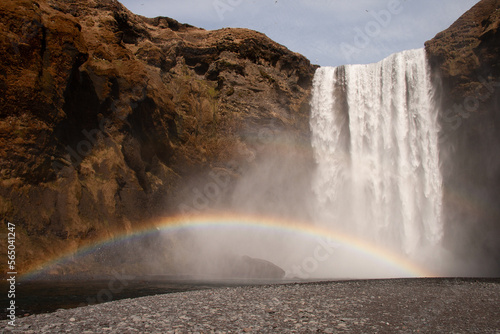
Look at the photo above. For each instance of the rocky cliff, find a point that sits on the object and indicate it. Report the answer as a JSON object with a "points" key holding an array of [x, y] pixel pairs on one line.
{"points": [[465, 61], [106, 118], [104, 115]]}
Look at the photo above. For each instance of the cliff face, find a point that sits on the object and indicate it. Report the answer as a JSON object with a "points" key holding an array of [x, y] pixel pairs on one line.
{"points": [[465, 61], [466, 54], [104, 115]]}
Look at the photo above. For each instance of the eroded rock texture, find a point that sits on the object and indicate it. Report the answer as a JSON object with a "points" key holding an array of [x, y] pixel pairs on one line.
{"points": [[104, 115]]}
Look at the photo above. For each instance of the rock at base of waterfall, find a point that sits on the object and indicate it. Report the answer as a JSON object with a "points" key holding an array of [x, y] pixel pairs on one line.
{"points": [[244, 267], [259, 268]]}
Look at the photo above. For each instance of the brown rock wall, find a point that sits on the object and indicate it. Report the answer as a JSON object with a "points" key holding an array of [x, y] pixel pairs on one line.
{"points": [[104, 115]]}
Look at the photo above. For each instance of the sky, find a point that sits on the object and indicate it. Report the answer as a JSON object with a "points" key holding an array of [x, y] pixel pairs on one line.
{"points": [[327, 32]]}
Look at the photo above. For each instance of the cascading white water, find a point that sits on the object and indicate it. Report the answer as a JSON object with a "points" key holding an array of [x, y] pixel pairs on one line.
{"points": [[375, 139]]}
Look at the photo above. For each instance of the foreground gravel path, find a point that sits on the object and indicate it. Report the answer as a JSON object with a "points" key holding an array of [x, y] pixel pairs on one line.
{"points": [[384, 306]]}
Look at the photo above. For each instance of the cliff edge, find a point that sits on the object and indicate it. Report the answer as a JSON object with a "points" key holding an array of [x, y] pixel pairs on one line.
{"points": [[105, 114]]}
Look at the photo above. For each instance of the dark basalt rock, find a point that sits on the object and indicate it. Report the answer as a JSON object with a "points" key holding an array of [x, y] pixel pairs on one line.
{"points": [[258, 268]]}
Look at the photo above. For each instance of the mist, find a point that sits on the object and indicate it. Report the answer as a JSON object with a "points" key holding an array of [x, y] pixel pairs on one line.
{"points": [[392, 197], [374, 192]]}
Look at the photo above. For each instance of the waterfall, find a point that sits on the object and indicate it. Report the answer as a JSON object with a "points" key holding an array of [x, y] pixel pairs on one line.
{"points": [[375, 140]]}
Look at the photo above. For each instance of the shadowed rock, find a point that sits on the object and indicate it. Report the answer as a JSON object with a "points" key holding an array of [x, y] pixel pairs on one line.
{"points": [[105, 115], [258, 268], [465, 61]]}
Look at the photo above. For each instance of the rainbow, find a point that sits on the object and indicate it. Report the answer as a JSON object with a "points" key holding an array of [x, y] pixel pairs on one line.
{"points": [[266, 224]]}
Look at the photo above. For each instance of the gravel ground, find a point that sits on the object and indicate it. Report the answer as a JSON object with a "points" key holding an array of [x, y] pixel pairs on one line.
{"points": [[383, 306]]}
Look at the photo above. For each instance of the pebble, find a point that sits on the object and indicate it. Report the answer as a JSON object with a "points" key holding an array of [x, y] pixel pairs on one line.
{"points": [[400, 306]]}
